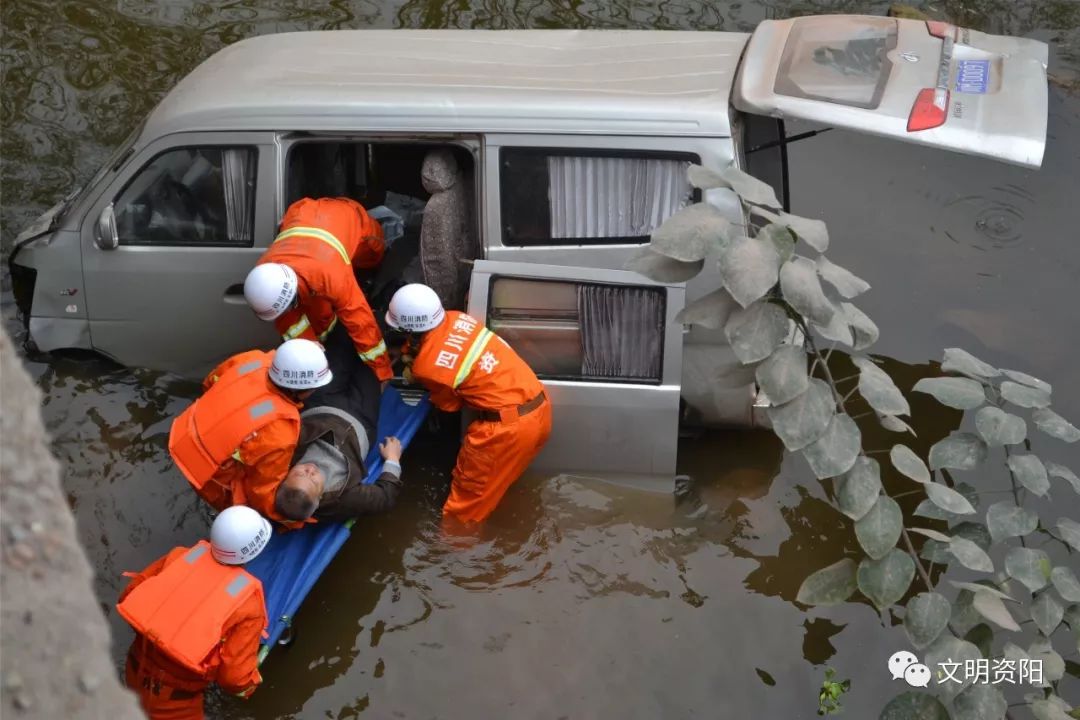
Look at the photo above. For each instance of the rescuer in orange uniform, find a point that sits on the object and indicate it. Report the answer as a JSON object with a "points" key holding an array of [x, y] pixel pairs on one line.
{"points": [[235, 442], [462, 363], [306, 282], [198, 618]]}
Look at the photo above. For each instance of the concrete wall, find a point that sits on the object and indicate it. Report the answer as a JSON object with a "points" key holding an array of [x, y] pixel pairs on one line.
{"points": [[54, 643]]}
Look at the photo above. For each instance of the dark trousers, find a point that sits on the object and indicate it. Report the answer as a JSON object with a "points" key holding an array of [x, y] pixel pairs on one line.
{"points": [[354, 388]]}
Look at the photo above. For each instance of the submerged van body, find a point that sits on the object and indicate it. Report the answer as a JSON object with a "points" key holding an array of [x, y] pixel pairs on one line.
{"points": [[568, 149]]}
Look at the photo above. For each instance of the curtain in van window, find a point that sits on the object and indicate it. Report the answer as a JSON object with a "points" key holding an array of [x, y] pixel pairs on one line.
{"points": [[238, 179], [614, 197], [622, 331]]}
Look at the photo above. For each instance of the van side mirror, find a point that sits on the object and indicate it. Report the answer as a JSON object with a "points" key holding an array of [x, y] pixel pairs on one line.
{"points": [[106, 236]]}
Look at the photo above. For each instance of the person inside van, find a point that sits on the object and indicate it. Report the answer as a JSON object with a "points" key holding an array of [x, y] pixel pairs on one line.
{"points": [[306, 283]]}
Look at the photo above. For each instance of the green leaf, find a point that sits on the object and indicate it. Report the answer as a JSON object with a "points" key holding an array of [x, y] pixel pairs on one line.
{"points": [[783, 376], [1031, 567], [964, 615], [1070, 532], [749, 269], [1007, 520], [1024, 396], [975, 587], [692, 233], [961, 361], [1053, 664], [835, 451], [1065, 583], [812, 232], [709, 311], [1046, 710], [802, 290], [959, 451], [982, 637], [998, 427], [1025, 379], [662, 269], [748, 187], [837, 331], [781, 238], [857, 490], [948, 499], [970, 555], [926, 616], [906, 461], [894, 424], [705, 179], [1054, 425], [993, 609], [880, 528], [932, 534], [866, 332], [803, 420], [1031, 473], [959, 393], [936, 552], [914, 706], [980, 702], [829, 586], [756, 331], [879, 390], [846, 283], [1047, 613], [950, 649], [884, 581], [1060, 471], [974, 531]]}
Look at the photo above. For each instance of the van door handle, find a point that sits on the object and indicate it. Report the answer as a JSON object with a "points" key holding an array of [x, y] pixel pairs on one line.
{"points": [[234, 294]]}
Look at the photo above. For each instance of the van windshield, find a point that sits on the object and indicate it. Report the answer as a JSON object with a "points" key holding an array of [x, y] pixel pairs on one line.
{"points": [[844, 63], [77, 195]]}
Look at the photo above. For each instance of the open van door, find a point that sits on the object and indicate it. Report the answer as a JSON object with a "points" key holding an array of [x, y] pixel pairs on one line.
{"points": [[923, 82], [606, 345]]}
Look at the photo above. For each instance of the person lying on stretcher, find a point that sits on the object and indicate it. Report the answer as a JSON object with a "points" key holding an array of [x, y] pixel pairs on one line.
{"points": [[327, 476]]}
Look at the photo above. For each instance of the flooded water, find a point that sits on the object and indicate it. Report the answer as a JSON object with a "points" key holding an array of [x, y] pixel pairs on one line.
{"points": [[582, 599]]}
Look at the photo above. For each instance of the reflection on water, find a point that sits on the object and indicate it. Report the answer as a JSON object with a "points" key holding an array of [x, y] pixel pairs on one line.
{"points": [[579, 598]]}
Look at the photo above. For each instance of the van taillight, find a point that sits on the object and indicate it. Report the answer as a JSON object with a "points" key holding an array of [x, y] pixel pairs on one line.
{"points": [[939, 29], [930, 109]]}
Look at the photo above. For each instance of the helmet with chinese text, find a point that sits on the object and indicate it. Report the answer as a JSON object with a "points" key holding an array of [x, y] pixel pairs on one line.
{"points": [[300, 365], [415, 308], [238, 535]]}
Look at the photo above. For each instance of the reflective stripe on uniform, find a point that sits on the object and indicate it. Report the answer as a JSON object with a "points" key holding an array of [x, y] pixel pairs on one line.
{"points": [[237, 585], [249, 367], [374, 353], [473, 355], [325, 333], [194, 553], [236, 456], [259, 409], [297, 328], [320, 234]]}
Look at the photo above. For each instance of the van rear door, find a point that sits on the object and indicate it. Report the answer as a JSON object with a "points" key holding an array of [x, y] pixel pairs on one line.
{"points": [[606, 345], [929, 83]]}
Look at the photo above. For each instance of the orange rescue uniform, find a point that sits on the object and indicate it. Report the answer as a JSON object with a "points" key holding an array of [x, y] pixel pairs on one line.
{"points": [[196, 622], [462, 363], [234, 443], [322, 240]]}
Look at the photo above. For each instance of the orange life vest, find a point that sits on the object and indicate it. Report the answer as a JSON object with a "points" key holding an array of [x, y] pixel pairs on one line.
{"points": [[210, 430], [183, 609]]}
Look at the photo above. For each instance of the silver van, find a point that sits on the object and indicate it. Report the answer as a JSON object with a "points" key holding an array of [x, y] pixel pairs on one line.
{"points": [[571, 148]]}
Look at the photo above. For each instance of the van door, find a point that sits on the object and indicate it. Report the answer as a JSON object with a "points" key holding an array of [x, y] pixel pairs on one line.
{"points": [[929, 83], [606, 345], [190, 216]]}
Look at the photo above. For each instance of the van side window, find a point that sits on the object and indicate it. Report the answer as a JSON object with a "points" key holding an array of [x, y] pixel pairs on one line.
{"points": [[566, 197], [191, 196], [581, 331]]}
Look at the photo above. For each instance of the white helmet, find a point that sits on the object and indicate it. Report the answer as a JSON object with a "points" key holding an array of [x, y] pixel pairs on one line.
{"points": [[300, 365], [270, 289], [238, 534], [415, 308]]}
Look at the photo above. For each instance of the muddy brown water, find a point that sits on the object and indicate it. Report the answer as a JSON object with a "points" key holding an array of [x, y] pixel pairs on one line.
{"points": [[581, 598]]}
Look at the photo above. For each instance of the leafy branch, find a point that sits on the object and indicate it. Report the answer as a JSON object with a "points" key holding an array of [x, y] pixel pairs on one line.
{"points": [[775, 305]]}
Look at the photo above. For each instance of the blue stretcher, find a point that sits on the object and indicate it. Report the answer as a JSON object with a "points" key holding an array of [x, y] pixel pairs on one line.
{"points": [[293, 561]]}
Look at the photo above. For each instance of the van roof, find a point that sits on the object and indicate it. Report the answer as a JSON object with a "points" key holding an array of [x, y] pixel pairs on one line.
{"points": [[557, 81]]}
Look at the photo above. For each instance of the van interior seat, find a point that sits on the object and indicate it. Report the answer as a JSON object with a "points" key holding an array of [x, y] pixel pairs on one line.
{"points": [[444, 233]]}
